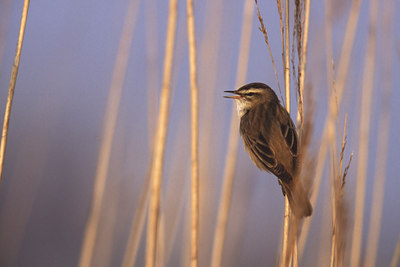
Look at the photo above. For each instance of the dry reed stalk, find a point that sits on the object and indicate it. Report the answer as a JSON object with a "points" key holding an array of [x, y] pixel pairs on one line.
{"points": [[136, 230], [224, 204], [110, 119], [210, 74], [264, 31], [292, 249], [303, 61], [366, 99], [306, 157], [176, 172], [323, 251], [152, 68], [328, 45], [103, 253], [194, 136], [341, 218], [137, 224], [333, 176], [339, 214], [286, 252], [160, 137], [383, 137], [334, 104], [209, 52], [332, 146], [160, 239], [11, 88], [279, 6], [285, 257], [396, 255], [286, 70], [297, 42], [230, 162]]}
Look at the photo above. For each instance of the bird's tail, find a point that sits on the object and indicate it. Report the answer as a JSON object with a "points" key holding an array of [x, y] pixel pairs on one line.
{"points": [[298, 199]]}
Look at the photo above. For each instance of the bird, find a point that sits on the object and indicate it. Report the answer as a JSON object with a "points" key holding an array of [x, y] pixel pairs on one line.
{"points": [[270, 138]]}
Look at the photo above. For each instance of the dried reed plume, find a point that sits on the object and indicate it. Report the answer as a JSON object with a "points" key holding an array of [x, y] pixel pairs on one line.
{"points": [[264, 31]]}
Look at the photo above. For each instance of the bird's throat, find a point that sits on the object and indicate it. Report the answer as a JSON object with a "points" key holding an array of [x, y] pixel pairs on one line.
{"points": [[242, 107]]}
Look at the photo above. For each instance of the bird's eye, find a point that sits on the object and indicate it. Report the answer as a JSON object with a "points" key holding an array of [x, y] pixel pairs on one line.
{"points": [[250, 94]]}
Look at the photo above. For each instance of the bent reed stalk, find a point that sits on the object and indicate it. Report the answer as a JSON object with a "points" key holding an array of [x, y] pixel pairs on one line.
{"points": [[11, 89]]}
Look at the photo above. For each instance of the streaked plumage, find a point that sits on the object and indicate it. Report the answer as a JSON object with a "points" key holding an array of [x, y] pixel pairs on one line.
{"points": [[270, 138]]}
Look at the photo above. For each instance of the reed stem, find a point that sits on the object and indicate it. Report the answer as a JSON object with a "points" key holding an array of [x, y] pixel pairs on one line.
{"points": [[11, 88]]}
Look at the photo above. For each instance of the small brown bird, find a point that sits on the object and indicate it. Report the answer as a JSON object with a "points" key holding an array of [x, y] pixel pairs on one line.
{"points": [[270, 138]]}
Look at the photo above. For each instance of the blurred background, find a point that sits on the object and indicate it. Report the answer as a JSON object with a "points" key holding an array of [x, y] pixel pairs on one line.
{"points": [[56, 129]]}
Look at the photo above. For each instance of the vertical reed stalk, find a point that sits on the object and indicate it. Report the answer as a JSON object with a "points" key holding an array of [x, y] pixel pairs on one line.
{"points": [[344, 63], [286, 254], [152, 67], [230, 161], [110, 119], [137, 224], [194, 136], [383, 137], [396, 255], [139, 216], [285, 257], [11, 88], [160, 137], [366, 99], [303, 61], [338, 210], [287, 57], [264, 31], [279, 6], [332, 145]]}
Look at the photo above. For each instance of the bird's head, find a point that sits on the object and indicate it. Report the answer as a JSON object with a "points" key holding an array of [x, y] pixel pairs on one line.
{"points": [[250, 95]]}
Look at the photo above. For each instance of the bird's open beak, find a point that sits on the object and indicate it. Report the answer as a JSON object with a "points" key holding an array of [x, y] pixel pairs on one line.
{"points": [[237, 96]]}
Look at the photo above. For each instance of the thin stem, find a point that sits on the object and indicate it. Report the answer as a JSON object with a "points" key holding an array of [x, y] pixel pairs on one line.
{"points": [[161, 134], [279, 6], [383, 137], [11, 88], [344, 62], [110, 119], [286, 224], [230, 161], [137, 225], [264, 31], [287, 57], [332, 146], [366, 99], [285, 241], [396, 255], [303, 61], [194, 136]]}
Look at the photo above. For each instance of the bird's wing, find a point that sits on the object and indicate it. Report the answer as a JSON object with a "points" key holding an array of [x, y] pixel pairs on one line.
{"points": [[260, 148], [264, 156], [289, 133]]}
